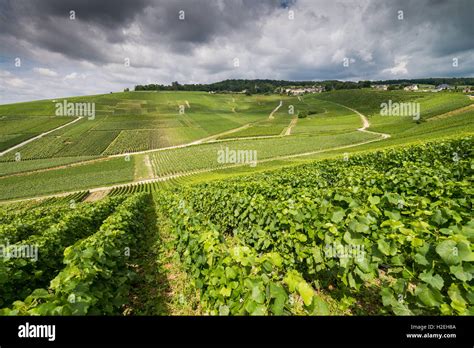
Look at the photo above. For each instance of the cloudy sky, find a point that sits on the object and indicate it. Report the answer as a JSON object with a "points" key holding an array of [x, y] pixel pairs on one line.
{"points": [[47, 51]]}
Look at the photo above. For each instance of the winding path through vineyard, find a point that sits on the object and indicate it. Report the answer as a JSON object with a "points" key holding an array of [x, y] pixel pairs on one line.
{"points": [[365, 122], [271, 117], [17, 146], [290, 127], [287, 132]]}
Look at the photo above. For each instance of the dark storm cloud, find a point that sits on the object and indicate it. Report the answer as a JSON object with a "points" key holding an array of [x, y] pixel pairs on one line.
{"points": [[87, 54], [106, 19], [47, 25], [108, 13], [451, 23], [203, 21]]}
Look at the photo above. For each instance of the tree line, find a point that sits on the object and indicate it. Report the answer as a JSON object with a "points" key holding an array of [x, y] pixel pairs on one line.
{"points": [[260, 86]]}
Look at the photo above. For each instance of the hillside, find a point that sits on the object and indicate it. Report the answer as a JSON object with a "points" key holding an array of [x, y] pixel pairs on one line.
{"points": [[167, 136], [370, 234]]}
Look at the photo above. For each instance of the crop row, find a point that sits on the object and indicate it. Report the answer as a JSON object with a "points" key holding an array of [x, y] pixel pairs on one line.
{"points": [[73, 198], [21, 212], [130, 189], [96, 278], [34, 261], [137, 140], [34, 221], [246, 152], [399, 221]]}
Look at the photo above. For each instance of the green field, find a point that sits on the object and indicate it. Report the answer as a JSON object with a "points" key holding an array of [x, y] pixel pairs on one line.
{"points": [[133, 122], [368, 101], [347, 236], [260, 233]]}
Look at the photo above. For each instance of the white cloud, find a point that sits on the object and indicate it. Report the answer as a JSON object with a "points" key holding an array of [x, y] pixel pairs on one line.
{"points": [[71, 76], [4, 73], [75, 75], [46, 72], [15, 82], [400, 67]]}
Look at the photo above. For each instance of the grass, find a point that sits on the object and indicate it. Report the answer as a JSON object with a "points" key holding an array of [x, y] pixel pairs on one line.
{"points": [[67, 179], [170, 292], [329, 118]]}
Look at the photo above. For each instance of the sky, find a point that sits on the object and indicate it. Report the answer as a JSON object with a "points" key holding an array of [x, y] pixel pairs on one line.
{"points": [[60, 48]]}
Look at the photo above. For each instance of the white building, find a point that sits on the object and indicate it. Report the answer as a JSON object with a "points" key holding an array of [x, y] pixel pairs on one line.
{"points": [[380, 87], [411, 88], [305, 90]]}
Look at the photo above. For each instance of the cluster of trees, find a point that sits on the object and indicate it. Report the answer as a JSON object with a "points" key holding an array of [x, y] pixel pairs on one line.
{"points": [[252, 86], [306, 113], [453, 81], [276, 86]]}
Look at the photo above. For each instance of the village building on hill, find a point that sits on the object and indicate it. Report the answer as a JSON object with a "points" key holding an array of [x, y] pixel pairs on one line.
{"points": [[380, 87], [443, 87], [305, 90], [412, 88]]}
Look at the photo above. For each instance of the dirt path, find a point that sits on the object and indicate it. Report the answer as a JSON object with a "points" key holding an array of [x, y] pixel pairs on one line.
{"points": [[452, 113], [211, 138], [196, 142], [17, 146], [271, 117], [96, 195], [106, 189], [149, 167], [287, 131], [365, 122], [143, 168], [63, 166]]}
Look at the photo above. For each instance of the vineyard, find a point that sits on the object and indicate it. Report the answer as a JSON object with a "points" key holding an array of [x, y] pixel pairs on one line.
{"points": [[205, 156], [125, 122], [389, 232], [84, 263], [317, 217], [134, 141], [183, 132]]}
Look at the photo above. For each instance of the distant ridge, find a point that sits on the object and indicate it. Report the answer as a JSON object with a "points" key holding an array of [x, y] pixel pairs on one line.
{"points": [[269, 86]]}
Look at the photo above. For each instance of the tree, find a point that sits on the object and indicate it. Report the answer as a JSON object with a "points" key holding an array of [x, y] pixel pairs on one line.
{"points": [[303, 114], [175, 85]]}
